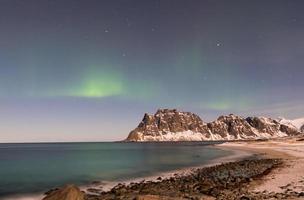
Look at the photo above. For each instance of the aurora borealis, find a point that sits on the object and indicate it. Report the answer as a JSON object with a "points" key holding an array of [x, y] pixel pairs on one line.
{"points": [[87, 70]]}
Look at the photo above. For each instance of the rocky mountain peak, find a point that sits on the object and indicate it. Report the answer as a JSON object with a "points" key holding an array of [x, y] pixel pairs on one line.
{"points": [[231, 127], [165, 111], [167, 121], [264, 125], [147, 118], [174, 125], [229, 118], [297, 124]]}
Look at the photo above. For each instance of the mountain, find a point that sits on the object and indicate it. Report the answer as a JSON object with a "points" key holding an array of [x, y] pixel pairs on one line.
{"points": [[169, 125], [174, 125], [296, 123], [271, 127]]}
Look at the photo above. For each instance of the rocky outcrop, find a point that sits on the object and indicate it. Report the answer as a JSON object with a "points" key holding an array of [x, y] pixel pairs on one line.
{"points": [[231, 127], [164, 122], [173, 125], [290, 131], [264, 125], [293, 124], [68, 192]]}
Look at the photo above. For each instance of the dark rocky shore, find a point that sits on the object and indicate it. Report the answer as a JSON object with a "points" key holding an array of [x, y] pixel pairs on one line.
{"points": [[222, 182]]}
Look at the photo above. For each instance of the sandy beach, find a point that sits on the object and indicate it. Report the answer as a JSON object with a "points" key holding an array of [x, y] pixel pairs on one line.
{"points": [[290, 176]]}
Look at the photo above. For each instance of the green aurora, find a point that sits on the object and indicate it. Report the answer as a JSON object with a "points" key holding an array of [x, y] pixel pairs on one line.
{"points": [[98, 83]]}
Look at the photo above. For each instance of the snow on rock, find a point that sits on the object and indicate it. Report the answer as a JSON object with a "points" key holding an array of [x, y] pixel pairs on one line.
{"points": [[296, 123], [173, 125]]}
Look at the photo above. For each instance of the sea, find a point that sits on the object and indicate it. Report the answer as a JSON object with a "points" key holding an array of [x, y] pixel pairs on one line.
{"points": [[33, 168]]}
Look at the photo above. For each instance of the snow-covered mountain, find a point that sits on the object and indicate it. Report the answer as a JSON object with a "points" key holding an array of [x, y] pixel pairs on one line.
{"points": [[296, 123], [173, 125]]}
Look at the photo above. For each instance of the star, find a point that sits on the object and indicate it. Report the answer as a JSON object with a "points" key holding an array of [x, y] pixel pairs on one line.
{"points": [[218, 44]]}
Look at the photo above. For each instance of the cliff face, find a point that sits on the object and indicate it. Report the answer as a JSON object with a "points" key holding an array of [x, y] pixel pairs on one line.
{"points": [[231, 127], [293, 124], [168, 124], [173, 125]]}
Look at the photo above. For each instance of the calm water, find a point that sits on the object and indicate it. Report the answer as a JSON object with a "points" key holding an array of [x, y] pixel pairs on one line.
{"points": [[31, 168]]}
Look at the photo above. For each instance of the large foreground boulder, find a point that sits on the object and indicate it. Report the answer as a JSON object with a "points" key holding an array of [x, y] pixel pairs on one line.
{"points": [[68, 192]]}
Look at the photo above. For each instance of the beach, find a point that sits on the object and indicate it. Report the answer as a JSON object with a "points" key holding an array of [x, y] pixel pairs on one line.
{"points": [[290, 176], [269, 169]]}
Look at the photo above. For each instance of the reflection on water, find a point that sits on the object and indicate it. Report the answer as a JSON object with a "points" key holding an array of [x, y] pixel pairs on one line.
{"points": [[29, 168]]}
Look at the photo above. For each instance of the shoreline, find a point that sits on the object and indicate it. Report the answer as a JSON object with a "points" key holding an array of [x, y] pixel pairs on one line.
{"points": [[237, 155], [98, 186], [224, 181], [287, 178], [274, 181], [284, 179]]}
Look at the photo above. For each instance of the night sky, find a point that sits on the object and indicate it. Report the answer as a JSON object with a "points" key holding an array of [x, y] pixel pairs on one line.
{"points": [[87, 70]]}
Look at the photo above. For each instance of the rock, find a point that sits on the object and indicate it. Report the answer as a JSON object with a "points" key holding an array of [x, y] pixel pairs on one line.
{"points": [[231, 127], [278, 195], [249, 179], [300, 139], [51, 190], [264, 125], [165, 122], [173, 125], [156, 197], [289, 130], [147, 197], [245, 198], [68, 192], [94, 190], [226, 181]]}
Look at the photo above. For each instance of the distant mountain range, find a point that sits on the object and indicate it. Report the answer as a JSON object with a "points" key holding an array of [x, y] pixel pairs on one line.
{"points": [[174, 125]]}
